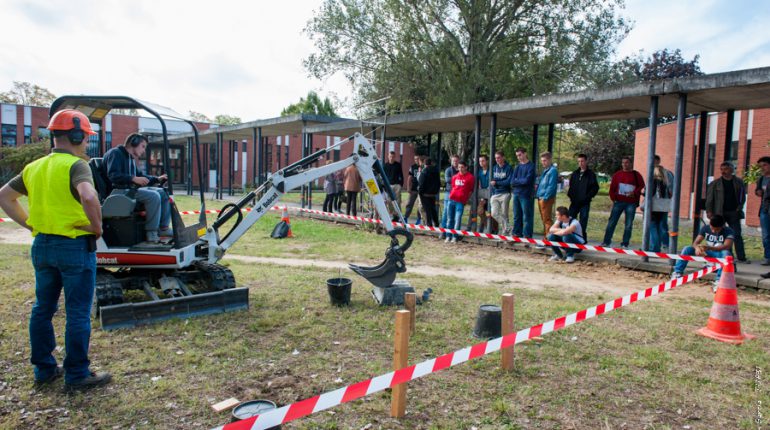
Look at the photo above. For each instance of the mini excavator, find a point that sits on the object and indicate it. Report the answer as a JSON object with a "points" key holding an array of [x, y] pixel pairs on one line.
{"points": [[183, 278]]}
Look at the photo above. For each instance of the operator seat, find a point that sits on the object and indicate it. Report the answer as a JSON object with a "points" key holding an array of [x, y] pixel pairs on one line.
{"points": [[123, 217]]}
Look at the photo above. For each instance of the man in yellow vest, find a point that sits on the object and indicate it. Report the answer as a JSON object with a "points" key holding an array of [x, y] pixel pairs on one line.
{"points": [[65, 220]]}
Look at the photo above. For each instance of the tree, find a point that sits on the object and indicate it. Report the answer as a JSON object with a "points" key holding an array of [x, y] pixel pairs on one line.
{"points": [[28, 94], [198, 117], [310, 105], [607, 141], [437, 53], [227, 120]]}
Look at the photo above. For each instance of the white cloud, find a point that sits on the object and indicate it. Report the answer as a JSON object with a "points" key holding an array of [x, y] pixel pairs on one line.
{"points": [[245, 58], [232, 57]]}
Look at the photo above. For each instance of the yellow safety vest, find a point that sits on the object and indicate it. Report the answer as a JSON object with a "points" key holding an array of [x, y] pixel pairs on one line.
{"points": [[52, 207]]}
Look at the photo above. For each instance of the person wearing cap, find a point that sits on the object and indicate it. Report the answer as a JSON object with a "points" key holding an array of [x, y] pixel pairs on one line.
{"points": [[123, 173], [65, 220]]}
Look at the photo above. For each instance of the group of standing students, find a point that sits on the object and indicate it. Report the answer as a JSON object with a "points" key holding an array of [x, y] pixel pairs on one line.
{"points": [[342, 185]]}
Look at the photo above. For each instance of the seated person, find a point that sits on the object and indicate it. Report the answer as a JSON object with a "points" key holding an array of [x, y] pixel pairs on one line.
{"points": [[122, 172], [719, 241], [565, 229]]}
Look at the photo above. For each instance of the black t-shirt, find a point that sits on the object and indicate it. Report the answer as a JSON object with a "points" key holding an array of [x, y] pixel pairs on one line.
{"points": [[731, 201]]}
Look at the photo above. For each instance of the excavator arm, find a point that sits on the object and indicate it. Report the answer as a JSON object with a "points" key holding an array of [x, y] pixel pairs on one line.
{"points": [[295, 175]]}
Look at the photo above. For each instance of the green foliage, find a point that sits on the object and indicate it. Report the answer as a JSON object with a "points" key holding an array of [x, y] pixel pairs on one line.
{"points": [[434, 53], [25, 93], [199, 117], [752, 174], [227, 120], [13, 159], [310, 105]]}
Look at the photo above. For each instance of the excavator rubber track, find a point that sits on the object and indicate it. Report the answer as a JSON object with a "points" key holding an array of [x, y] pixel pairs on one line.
{"points": [[203, 289]]}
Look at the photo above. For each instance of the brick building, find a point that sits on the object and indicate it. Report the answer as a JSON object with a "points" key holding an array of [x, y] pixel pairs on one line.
{"points": [[27, 124], [748, 142]]}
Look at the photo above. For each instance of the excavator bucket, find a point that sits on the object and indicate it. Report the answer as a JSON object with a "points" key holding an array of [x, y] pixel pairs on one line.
{"points": [[384, 274]]}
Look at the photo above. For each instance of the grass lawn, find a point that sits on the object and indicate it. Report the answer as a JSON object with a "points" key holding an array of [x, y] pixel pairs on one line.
{"points": [[638, 367]]}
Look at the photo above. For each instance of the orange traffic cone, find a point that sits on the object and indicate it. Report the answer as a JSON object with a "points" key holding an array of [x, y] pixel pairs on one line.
{"points": [[724, 322], [285, 218]]}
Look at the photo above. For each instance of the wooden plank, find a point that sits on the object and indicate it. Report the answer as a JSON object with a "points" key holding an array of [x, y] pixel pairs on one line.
{"points": [[400, 360], [507, 328], [225, 404]]}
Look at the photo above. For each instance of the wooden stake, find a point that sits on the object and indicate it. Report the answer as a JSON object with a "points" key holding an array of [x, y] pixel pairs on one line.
{"points": [[400, 360], [507, 328], [410, 303]]}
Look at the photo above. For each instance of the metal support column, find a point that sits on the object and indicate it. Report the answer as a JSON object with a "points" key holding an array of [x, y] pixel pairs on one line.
{"points": [[430, 149], [310, 185], [220, 165], [383, 136], [189, 165], [472, 221], [729, 134], [551, 128], [535, 144], [681, 118], [492, 150], [650, 173], [700, 177], [303, 150], [438, 156], [256, 158], [230, 163]]}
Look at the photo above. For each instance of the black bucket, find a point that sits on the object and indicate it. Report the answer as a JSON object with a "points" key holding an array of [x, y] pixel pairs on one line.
{"points": [[339, 290], [253, 408], [488, 322]]}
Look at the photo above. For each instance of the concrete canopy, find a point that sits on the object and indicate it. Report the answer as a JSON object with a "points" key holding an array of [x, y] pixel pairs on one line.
{"points": [[743, 89], [292, 124]]}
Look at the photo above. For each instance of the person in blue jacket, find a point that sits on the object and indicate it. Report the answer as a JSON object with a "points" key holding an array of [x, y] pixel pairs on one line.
{"points": [[500, 199], [523, 184], [546, 191]]}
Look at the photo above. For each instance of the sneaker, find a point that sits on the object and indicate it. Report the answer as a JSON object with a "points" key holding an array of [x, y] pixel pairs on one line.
{"points": [[539, 246], [570, 259], [765, 263], [166, 232], [54, 376], [624, 247], [664, 249], [94, 379], [442, 236], [152, 236], [714, 286], [448, 239], [454, 240], [675, 275], [604, 245], [765, 275], [554, 258]]}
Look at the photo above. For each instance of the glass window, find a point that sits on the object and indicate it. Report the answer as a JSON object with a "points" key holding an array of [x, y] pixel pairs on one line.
{"points": [[93, 146], [108, 139], [8, 135], [27, 134], [712, 157], [42, 133]]}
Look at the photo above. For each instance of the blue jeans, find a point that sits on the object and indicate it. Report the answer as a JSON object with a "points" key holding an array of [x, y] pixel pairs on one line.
{"points": [[764, 221], [658, 233], [570, 238], [455, 216], [581, 213], [156, 205], [523, 210], [62, 263], [689, 250], [619, 208], [445, 214]]}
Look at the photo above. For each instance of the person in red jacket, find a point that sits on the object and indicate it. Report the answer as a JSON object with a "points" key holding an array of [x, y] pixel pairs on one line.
{"points": [[462, 189], [625, 189]]}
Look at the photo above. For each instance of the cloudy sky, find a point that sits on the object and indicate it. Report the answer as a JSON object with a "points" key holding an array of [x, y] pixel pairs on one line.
{"points": [[244, 58]]}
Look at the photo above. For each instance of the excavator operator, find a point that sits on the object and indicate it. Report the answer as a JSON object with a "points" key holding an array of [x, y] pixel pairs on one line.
{"points": [[123, 173]]}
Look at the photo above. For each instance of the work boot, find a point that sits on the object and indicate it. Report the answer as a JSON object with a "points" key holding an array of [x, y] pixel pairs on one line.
{"points": [[166, 232], [54, 376], [94, 379]]}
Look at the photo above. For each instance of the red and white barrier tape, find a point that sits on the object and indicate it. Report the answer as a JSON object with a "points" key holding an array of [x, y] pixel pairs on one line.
{"points": [[351, 392], [633, 252], [6, 220]]}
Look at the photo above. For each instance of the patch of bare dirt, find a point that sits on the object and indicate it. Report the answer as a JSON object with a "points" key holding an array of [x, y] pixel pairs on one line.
{"points": [[15, 236]]}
